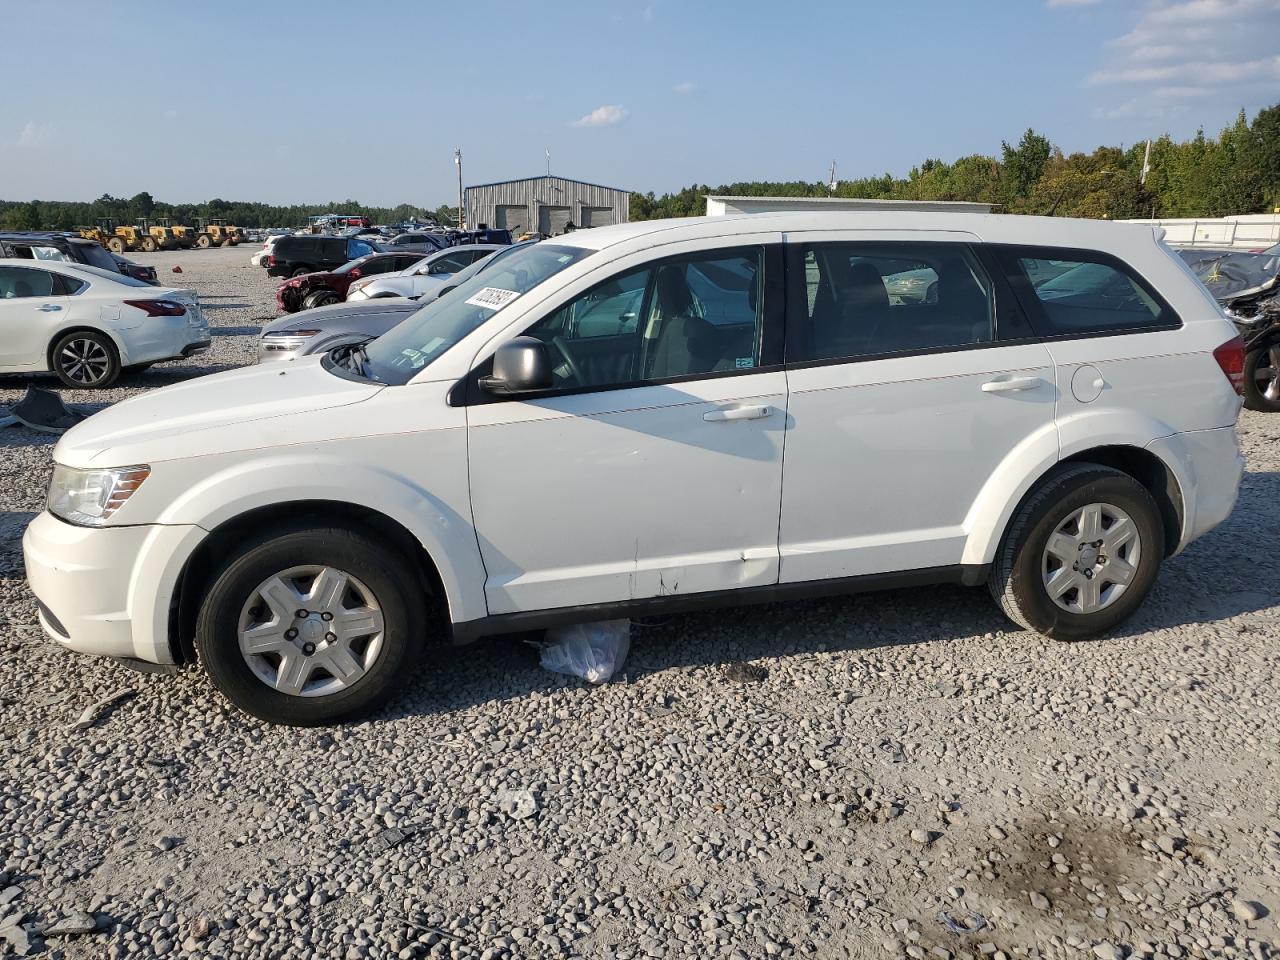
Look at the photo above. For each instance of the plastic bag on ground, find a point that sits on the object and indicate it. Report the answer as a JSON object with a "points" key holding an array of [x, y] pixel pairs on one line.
{"points": [[593, 651]]}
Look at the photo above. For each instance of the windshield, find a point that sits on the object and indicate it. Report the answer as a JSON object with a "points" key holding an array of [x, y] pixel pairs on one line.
{"points": [[399, 354]]}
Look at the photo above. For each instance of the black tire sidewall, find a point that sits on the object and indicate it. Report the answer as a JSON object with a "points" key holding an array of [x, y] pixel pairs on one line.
{"points": [[113, 359], [383, 572], [1252, 398], [1027, 581]]}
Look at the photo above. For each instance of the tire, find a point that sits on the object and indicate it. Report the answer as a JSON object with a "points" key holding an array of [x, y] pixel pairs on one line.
{"points": [[1262, 379], [378, 579], [300, 271], [85, 360], [204, 241], [115, 244], [148, 245], [1025, 564], [320, 298]]}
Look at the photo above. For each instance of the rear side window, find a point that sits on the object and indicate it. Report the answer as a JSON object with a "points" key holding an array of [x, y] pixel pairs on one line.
{"points": [[68, 286], [876, 299], [1079, 293]]}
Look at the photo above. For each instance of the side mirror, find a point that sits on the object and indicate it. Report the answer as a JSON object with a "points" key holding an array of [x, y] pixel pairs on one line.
{"points": [[520, 366]]}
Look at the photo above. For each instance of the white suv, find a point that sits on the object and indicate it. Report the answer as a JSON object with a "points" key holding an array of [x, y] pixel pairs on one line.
{"points": [[661, 416]]}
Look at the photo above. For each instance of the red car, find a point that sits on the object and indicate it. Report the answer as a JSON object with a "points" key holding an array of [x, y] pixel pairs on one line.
{"points": [[330, 286]]}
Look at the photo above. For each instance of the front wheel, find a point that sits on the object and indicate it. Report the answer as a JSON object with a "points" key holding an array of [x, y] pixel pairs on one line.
{"points": [[1262, 379], [310, 626], [1080, 555], [86, 359], [320, 298]]}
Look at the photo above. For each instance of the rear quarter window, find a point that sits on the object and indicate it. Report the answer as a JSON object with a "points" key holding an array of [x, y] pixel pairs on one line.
{"points": [[1075, 293]]}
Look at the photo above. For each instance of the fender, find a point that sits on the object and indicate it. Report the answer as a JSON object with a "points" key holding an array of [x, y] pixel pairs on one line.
{"points": [[439, 520], [1028, 463]]}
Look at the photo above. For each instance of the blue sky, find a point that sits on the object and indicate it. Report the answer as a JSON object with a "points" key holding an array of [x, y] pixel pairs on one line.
{"points": [[293, 101]]}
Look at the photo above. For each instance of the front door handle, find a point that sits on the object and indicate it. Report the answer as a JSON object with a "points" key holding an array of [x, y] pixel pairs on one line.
{"points": [[754, 412], [1012, 385], [49, 307]]}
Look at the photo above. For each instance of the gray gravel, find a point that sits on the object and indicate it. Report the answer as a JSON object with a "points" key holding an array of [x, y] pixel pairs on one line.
{"points": [[909, 776]]}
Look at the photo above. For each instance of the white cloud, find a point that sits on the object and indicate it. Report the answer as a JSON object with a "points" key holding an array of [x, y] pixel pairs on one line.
{"points": [[1074, 3], [685, 88], [604, 116], [1182, 49], [35, 134]]}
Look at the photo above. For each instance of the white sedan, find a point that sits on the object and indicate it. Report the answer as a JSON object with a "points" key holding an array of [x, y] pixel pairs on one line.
{"points": [[429, 272], [86, 325]]}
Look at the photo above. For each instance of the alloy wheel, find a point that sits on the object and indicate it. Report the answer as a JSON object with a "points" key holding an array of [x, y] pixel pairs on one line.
{"points": [[84, 360], [311, 631], [1091, 558]]}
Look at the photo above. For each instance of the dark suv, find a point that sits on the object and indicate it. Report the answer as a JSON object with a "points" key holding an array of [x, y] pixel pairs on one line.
{"points": [[294, 256], [39, 245]]}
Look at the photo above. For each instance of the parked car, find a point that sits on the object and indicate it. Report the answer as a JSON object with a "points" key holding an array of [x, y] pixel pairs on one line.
{"points": [[259, 259], [330, 286], [1247, 285], [86, 325], [426, 273], [319, 329], [42, 245], [533, 449], [418, 242], [296, 255], [147, 275]]}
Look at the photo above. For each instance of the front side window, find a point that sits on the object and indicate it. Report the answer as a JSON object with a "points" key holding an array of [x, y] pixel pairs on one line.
{"points": [[874, 299], [17, 283], [400, 353], [1087, 293], [678, 318]]}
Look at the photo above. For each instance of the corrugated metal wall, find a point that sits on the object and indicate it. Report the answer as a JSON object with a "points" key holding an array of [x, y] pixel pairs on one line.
{"points": [[482, 202]]}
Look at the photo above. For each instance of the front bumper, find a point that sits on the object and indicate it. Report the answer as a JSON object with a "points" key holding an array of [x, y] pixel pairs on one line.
{"points": [[106, 591]]}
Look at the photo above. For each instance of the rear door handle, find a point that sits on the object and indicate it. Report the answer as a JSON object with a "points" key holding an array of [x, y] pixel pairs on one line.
{"points": [[49, 307], [755, 412], [1012, 385]]}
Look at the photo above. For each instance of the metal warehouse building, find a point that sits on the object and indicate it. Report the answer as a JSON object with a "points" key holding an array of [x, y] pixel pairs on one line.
{"points": [[545, 204]]}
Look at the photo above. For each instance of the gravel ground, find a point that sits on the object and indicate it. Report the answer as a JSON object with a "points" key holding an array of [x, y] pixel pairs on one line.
{"points": [[882, 764]]}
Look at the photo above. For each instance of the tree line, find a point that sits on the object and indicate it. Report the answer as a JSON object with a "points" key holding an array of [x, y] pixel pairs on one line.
{"points": [[1236, 172], [68, 215]]}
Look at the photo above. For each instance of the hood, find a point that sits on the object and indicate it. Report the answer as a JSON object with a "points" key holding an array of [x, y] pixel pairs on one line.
{"points": [[180, 420], [321, 317], [1234, 276]]}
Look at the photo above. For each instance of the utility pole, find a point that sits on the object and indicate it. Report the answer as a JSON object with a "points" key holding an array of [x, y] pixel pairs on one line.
{"points": [[832, 182], [1146, 165], [548, 161], [457, 159]]}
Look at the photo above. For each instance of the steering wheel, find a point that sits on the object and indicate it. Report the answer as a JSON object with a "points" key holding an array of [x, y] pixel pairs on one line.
{"points": [[563, 349]]}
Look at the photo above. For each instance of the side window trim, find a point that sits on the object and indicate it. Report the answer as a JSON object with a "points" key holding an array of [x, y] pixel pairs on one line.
{"points": [[1007, 256], [467, 392]]}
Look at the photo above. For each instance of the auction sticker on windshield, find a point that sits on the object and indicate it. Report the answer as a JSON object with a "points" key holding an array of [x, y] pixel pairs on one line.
{"points": [[495, 298]]}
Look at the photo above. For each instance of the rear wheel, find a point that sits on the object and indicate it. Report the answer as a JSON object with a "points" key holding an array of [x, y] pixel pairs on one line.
{"points": [[148, 245], [115, 244], [1262, 379], [204, 241], [308, 626], [86, 359], [300, 271], [1080, 555]]}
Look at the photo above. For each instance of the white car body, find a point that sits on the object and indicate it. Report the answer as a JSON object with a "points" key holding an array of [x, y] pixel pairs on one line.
{"points": [[592, 503], [31, 324], [259, 259], [429, 272]]}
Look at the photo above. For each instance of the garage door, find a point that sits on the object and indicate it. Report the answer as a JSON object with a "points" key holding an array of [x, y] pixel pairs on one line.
{"points": [[597, 216], [512, 217], [553, 220]]}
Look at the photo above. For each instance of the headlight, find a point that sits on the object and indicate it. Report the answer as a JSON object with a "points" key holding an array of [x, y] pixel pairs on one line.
{"points": [[91, 497], [360, 284]]}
